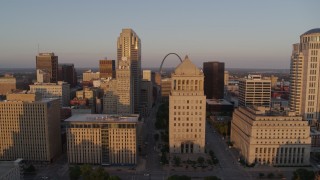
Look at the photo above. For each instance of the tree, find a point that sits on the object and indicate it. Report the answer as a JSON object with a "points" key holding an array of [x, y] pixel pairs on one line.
{"points": [[303, 174], [177, 160], [156, 137], [270, 175], [99, 174], [212, 178], [261, 175], [86, 171], [30, 169], [114, 178], [74, 172], [177, 177], [200, 160]]}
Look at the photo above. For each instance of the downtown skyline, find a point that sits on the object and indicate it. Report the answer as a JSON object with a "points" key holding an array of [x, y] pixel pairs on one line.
{"points": [[243, 35]]}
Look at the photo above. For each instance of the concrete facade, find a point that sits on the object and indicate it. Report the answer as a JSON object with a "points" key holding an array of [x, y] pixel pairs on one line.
{"points": [[254, 91]]}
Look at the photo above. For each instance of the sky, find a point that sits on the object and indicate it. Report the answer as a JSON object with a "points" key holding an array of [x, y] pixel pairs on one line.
{"points": [[243, 34]]}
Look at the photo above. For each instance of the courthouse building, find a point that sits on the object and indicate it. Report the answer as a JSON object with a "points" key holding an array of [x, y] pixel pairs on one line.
{"points": [[266, 137], [102, 139], [187, 109]]}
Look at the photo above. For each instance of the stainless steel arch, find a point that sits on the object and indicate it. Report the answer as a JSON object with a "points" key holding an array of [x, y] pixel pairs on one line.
{"points": [[160, 70]]}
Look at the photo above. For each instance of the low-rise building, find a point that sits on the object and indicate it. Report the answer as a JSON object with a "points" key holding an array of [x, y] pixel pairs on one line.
{"points": [[275, 138], [102, 139], [8, 83], [60, 90]]}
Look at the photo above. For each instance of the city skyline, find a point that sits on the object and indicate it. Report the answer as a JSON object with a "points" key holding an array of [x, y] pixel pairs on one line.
{"points": [[243, 35]]}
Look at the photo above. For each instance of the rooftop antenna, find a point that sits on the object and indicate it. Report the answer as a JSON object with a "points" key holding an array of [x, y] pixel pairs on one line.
{"points": [[38, 48]]}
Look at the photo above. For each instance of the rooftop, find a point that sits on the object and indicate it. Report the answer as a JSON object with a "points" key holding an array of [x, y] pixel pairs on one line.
{"points": [[218, 102], [312, 31], [6, 166], [104, 118]]}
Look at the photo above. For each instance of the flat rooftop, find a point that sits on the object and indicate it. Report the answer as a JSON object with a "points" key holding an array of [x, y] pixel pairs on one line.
{"points": [[218, 102], [104, 118], [6, 166]]}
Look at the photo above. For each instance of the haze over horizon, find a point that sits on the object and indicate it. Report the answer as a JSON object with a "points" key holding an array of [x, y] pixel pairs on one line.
{"points": [[246, 34]]}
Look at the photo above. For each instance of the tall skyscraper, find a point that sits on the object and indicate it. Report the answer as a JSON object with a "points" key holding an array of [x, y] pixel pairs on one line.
{"points": [[305, 76], [29, 128], [213, 79], [254, 91], [48, 63], [107, 68], [187, 109], [129, 49]]}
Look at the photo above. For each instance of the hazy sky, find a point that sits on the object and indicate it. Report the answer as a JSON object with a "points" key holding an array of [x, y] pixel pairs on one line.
{"points": [[243, 34]]}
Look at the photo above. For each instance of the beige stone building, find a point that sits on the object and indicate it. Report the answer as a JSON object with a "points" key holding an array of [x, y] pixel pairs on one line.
{"points": [[274, 81], [29, 128], [305, 76], [8, 83], [254, 91], [187, 109], [60, 90], [129, 49], [11, 170], [102, 139], [267, 137], [147, 75], [226, 78], [89, 76]]}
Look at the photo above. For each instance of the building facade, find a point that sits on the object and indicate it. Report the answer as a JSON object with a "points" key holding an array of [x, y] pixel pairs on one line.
{"points": [[129, 49], [60, 90], [305, 76], [107, 68], [213, 80], [8, 83], [270, 137], [48, 63], [254, 91], [187, 110], [29, 128], [102, 139]]}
